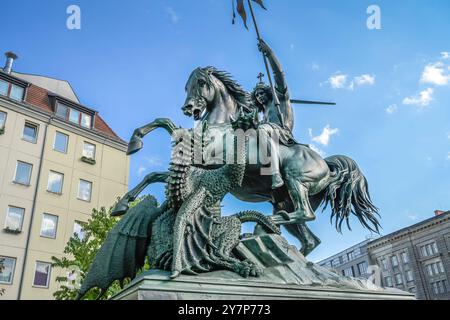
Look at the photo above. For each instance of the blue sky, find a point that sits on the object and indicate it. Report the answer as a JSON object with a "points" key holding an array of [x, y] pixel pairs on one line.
{"points": [[130, 61]]}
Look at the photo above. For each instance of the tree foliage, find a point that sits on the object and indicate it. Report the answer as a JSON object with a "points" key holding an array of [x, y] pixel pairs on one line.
{"points": [[79, 254]]}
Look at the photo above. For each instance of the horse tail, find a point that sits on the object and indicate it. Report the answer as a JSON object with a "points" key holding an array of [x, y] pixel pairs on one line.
{"points": [[348, 193]]}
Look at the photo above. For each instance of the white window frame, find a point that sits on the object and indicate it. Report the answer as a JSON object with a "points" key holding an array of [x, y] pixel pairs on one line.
{"points": [[56, 225], [91, 144], [30, 124], [62, 182], [67, 142], [12, 271], [21, 219], [2, 126], [29, 175], [77, 222], [78, 191], [48, 275]]}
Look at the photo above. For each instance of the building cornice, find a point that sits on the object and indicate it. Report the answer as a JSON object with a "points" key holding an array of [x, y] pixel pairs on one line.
{"points": [[408, 231], [14, 80], [44, 116]]}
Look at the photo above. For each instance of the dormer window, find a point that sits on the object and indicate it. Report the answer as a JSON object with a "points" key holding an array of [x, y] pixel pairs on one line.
{"points": [[73, 115], [11, 90]]}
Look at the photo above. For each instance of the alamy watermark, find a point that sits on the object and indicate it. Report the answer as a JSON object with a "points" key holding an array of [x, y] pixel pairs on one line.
{"points": [[374, 19], [73, 21]]}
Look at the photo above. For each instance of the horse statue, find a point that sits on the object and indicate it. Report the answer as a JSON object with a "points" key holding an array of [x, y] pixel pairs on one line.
{"points": [[217, 102]]}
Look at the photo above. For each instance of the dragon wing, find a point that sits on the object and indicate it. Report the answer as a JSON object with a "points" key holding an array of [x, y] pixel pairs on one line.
{"points": [[124, 250]]}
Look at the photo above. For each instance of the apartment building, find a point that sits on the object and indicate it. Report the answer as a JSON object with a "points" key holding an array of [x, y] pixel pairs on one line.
{"points": [[58, 160], [414, 259]]}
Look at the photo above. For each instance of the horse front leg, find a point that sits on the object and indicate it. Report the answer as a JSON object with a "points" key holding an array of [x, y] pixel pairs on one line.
{"points": [[122, 206], [136, 143]]}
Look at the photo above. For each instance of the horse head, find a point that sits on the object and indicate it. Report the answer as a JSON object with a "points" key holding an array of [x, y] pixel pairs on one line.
{"points": [[200, 91], [213, 94]]}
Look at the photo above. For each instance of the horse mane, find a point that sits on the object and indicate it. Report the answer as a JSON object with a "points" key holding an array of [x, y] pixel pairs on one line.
{"points": [[241, 96]]}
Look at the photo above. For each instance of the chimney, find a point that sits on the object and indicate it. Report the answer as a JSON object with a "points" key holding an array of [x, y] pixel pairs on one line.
{"points": [[10, 57], [438, 212]]}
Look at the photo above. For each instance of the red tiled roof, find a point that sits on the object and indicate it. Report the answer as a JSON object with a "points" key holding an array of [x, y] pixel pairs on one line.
{"points": [[39, 97]]}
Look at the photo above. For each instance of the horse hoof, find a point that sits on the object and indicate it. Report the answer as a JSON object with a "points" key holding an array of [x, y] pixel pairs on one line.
{"points": [[174, 274]]}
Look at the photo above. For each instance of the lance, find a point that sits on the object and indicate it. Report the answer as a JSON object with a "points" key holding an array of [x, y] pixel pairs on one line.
{"points": [[274, 94]]}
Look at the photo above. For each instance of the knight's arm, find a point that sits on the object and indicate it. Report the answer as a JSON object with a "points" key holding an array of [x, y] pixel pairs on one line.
{"points": [[278, 73]]}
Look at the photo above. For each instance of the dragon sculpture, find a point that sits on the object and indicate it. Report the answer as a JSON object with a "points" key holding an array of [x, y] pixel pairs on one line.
{"points": [[186, 234]]}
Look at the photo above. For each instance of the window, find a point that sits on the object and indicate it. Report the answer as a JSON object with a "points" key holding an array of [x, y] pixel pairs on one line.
{"points": [[42, 274], [350, 255], [388, 281], [61, 111], [429, 249], [88, 150], [16, 92], [348, 272], [49, 225], [439, 287], [409, 276], [84, 190], [362, 268], [55, 182], [434, 268], [384, 264], [2, 119], [398, 278], [14, 218], [4, 86], [78, 230], [74, 116], [23, 173], [394, 261], [405, 257], [85, 120], [30, 132], [61, 142], [7, 274], [13, 91]]}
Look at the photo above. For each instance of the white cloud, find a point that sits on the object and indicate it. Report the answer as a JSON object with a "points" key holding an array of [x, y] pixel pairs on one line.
{"points": [[316, 149], [391, 109], [141, 170], [445, 55], [365, 79], [422, 100], [324, 137], [342, 81], [338, 81], [434, 73], [172, 15]]}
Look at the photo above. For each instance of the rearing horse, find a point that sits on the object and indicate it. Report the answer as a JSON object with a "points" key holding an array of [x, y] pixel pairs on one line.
{"points": [[215, 99]]}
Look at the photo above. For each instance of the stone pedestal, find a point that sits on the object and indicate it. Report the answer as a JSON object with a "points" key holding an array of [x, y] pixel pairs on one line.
{"points": [[287, 275], [156, 285]]}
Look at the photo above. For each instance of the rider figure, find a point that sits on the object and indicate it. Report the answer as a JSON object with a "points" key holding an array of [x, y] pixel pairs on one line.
{"points": [[274, 124]]}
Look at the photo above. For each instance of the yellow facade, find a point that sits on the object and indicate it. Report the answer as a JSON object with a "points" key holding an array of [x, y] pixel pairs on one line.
{"points": [[108, 178]]}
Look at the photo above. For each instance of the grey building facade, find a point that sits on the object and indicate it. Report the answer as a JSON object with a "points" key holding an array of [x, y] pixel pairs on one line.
{"points": [[353, 262], [416, 258]]}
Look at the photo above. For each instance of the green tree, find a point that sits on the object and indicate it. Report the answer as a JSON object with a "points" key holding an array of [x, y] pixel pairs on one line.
{"points": [[79, 254]]}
